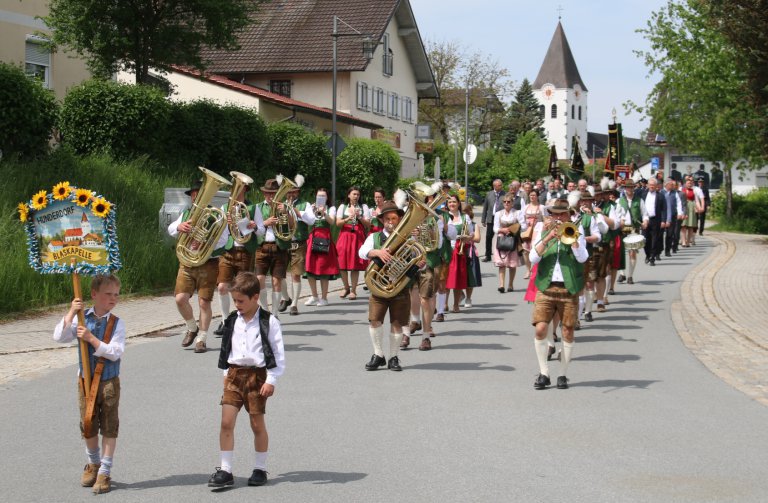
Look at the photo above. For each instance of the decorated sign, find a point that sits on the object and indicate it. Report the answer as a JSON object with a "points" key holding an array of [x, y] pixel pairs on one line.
{"points": [[70, 230]]}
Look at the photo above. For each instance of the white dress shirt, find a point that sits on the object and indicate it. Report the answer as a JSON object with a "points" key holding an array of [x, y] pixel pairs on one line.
{"points": [[67, 332], [580, 253], [648, 206], [246, 349], [513, 216]]}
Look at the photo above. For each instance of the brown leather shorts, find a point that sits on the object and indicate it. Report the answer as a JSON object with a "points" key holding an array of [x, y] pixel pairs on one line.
{"points": [[242, 386], [105, 417], [234, 261], [271, 261], [555, 299], [399, 308], [201, 279]]}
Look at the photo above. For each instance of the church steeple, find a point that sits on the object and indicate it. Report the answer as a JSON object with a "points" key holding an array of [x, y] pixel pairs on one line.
{"points": [[559, 67]]}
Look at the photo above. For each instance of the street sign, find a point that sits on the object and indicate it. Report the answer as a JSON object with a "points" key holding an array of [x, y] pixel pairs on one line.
{"points": [[654, 164], [470, 154], [423, 131], [340, 144]]}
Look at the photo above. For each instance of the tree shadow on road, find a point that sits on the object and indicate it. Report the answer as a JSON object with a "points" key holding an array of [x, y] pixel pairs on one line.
{"points": [[318, 477], [607, 357], [459, 366], [611, 327], [615, 384], [307, 333], [622, 318]]}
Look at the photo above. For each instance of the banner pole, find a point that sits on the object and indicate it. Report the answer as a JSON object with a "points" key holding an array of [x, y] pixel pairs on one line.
{"points": [[86, 362]]}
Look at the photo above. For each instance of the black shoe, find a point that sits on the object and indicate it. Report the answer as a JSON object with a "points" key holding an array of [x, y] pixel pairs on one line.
{"points": [[562, 382], [555, 338], [219, 331], [630, 281], [653, 262], [667, 254], [376, 362], [394, 364], [674, 250], [611, 292], [283, 305], [647, 260], [221, 479], [542, 382], [550, 352], [657, 258], [501, 289], [486, 259], [621, 278], [257, 478], [588, 317], [510, 289]]}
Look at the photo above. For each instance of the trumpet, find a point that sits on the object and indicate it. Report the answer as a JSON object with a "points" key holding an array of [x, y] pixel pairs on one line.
{"points": [[464, 234]]}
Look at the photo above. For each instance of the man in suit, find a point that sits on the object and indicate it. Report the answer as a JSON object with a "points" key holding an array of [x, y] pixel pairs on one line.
{"points": [[491, 205], [674, 215], [655, 219]]}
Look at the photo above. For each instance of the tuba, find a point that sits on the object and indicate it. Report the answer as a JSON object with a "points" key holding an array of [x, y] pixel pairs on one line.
{"points": [[194, 248], [387, 280], [429, 232], [236, 209], [285, 227]]}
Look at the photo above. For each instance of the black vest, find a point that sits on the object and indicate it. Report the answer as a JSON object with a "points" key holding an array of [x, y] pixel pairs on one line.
{"points": [[226, 339]]}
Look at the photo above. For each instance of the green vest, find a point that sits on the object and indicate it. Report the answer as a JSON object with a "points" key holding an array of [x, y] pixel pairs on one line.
{"points": [[608, 236], [573, 271], [586, 224], [302, 229], [634, 210], [266, 210], [252, 244]]}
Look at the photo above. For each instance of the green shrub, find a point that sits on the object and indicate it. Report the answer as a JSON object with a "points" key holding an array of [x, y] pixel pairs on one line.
{"points": [[219, 137], [27, 114], [295, 150], [122, 120], [750, 212], [367, 164], [135, 187]]}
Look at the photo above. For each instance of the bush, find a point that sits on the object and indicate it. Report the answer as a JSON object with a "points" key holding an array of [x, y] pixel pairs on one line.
{"points": [[121, 120], [367, 164], [135, 187], [296, 150], [27, 115], [219, 137], [750, 212]]}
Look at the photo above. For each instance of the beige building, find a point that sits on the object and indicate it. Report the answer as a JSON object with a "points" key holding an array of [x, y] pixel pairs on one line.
{"points": [[21, 45]]}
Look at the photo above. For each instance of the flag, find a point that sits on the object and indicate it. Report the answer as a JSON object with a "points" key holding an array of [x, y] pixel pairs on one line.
{"points": [[614, 155], [553, 170], [577, 162]]}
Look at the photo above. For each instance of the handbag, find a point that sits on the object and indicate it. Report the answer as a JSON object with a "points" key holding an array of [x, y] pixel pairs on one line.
{"points": [[527, 234], [507, 242], [321, 245]]}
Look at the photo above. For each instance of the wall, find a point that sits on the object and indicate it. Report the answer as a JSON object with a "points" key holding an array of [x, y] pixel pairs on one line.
{"points": [[560, 130]]}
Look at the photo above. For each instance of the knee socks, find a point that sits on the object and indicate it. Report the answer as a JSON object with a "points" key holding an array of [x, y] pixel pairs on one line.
{"points": [[296, 293], [224, 305], [631, 268], [441, 303], [582, 301], [285, 293], [191, 325], [394, 343], [275, 301], [542, 349], [377, 334], [260, 461], [588, 298], [565, 358], [226, 461]]}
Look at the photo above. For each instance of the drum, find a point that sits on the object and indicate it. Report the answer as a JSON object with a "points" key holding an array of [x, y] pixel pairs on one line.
{"points": [[634, 241]]}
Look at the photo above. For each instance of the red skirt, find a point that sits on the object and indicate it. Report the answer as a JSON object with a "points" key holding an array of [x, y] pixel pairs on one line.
{"points": [[618, 252], [530, 294], [457, 269], [350, 241], [320, 264]]}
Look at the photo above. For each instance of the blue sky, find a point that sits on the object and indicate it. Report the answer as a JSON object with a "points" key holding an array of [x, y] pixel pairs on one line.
{"points": [[517, 33]]}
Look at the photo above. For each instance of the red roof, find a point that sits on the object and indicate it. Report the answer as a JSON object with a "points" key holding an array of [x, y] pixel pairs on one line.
{"points": [[57, 243], [73, 232]]}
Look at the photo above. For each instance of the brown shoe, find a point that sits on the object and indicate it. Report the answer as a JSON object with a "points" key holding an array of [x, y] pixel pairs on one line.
{"points": [[432, 334], [89, 474], [415, 326], [102, 484], [189, 337], [439, 317], [601, 308], [200, 347], [405, 342], [425, 345]]}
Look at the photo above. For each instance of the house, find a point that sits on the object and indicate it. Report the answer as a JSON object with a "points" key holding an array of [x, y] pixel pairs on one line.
{"points": [[73, 235], [55, 246], [92, 240], [288, 52], [21, 44]]}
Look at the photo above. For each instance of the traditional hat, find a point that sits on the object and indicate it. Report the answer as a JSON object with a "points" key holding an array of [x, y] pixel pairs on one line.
{"points": [[559, 205], [390, 206], [196, 185], [270, 185], [586, 194], [629, 184]]}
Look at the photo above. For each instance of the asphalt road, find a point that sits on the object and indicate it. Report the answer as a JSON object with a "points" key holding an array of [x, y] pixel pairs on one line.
{"points": [[644, 420]]}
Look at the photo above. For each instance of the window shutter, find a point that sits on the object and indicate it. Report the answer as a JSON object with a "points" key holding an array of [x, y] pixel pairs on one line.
{"points": [[37, 54]]}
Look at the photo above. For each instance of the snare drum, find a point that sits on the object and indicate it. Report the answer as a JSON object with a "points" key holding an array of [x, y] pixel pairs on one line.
{"points": [[634, 242]]}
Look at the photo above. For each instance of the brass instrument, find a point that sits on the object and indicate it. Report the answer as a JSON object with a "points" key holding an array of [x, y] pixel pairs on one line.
{"points": [[464, 234], [319, 212], [387, 280], [195, 247], [429, 232], [353, 220], [568, 233], [238, 210], [285, 227]]}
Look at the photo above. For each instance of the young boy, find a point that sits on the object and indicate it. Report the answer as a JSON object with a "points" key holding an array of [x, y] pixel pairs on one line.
{"points": [[104, 333], [252, 357]]}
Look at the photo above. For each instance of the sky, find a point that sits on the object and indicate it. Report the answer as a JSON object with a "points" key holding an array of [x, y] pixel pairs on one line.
{"points": [[601, 33]]}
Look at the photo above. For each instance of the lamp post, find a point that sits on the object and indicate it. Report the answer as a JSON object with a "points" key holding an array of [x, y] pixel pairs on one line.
{"points": [[369, 46], [466, 136]]}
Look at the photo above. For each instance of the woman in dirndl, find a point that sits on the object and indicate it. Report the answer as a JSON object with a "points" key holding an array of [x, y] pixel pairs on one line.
{"points": [[534, 213], [319, 264], [353, 219], [474, 276], [379, 196], [693, 206], [507, 221], [457, 269]]}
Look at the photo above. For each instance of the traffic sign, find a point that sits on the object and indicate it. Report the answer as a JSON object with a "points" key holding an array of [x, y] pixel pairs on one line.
{"points": [[470, 154]]}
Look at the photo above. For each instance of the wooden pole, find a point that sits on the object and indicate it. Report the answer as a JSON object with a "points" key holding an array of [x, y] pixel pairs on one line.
{"points": [[83, 346]]}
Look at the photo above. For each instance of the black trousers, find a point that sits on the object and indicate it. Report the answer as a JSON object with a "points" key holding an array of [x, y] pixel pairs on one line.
{"points": [[489, 241], [701, 218], [653, 241], [672, 236]]}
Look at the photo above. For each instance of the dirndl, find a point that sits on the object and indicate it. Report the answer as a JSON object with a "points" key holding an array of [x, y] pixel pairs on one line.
{"points": [[321, 265], [690, 215], [530, 293], [457, 270], [350, 241]]}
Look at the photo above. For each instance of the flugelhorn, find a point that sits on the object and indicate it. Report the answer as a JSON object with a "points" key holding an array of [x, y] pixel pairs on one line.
{"points": [[237, 210], [285, 227]]}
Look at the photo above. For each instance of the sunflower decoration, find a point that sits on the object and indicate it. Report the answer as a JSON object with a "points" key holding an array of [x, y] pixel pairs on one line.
{"points": [[61, 191], [40, 200], [83, 197], [101, 207], [23, 211]]}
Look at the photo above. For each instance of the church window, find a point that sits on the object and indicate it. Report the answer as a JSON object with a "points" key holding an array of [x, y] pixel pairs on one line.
{"points": [[542, 111], [554, 112], [573, 110], [579, 112]]}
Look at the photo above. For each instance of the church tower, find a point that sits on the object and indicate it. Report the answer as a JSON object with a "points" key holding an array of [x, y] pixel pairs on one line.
{"points": [[85, 225], [562, 96]]}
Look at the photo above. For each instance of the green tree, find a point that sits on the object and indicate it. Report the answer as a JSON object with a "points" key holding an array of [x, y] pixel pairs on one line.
{"points": [[27, 114], [529, 156], [699, 103], [522, 116], [295, 150], [367, 164], [139, 34]]}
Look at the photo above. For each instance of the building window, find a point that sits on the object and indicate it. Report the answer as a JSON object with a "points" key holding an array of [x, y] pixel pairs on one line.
{"points": [[408, 110], [554, 112], [394, 106], [542, 111], [281, 87], [37, 61], [379, 105], [579, 112], [362, 97], [387, 57], [573, 111]]}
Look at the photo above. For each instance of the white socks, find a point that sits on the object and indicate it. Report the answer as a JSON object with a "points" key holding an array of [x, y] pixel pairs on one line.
{"points": [[581, 306], [201, 335], [94, 457], [285, 293], [377, 335], [542, 350], [191, 325], [296, 293], [260, 461], [415, 318], [106, 466], [631, 268], [441, 303], [394, 343], [275, 301], [226, 461], [588, 298], [224, 305], [565, 358]]}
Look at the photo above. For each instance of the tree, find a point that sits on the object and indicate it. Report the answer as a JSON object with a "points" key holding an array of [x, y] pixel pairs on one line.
{"points": [[529, 156], [522, 116], [139, 34], [699, 104], [366, 164], [295, 150]]}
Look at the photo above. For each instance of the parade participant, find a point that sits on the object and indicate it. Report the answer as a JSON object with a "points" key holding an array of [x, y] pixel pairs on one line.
{"points": [[508, 222], [457, 269], [398, 306], [272, 254], [702, 185], [491, 205], [104, 333], [631, 204], [353, 218], [676, 215], [606, 212], [534, 213], [559, 279], [321, 262], [305, 217], [618, 258], [252, 357], [592, 228], [654, 211], [694, 204], [379, 196], [446, 251], [474, 276], [200, 279], [238, 255]]}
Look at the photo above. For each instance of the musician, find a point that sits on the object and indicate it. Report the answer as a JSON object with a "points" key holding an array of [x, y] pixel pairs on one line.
{"points": [[236, 257], [104, 334], [654, 211], [631, 204], [379, 196], [458, 270], [353, 218], [200, 279], [321, 261], [446, 252], [398, 306], [305, 217], [559, 278], [592, 228], [272, 254], [618, 261], [607, 212]]}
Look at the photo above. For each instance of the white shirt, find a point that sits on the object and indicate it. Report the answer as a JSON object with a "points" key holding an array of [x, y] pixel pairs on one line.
{"points": [[648, 206], [260, 230], [464, 220], [365, 213], [246, 349], [594, 227], [512, 216], [67, 332], [580, 253]]}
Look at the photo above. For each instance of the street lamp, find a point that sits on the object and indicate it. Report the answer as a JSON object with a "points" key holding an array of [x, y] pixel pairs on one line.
{"points": [[369, 46]]}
